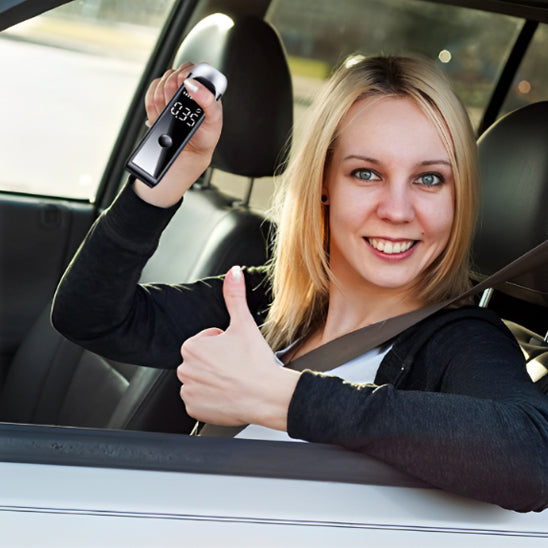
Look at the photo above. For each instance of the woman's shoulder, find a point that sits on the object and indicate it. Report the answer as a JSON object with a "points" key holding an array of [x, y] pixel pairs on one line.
{"points": [[478, 317], [455, 345], [456, 328]]}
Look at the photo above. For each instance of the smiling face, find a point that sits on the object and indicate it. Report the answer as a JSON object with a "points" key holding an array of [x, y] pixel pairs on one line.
{"points": [[390, 191]]}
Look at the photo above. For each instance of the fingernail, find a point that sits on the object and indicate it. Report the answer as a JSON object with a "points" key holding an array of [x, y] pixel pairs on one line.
{"points": [[236, 272], [191, 86]]}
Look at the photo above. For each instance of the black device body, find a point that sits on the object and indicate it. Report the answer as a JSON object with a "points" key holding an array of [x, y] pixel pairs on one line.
{"points": [[173, 129]]}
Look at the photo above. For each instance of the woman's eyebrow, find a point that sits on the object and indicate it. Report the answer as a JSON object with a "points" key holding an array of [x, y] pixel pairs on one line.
{"points": [[375, 161], [360, 157], [435, 162]]}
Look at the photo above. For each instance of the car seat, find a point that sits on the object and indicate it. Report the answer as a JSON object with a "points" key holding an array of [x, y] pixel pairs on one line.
{"points": [[53, 381], [513, 157]]}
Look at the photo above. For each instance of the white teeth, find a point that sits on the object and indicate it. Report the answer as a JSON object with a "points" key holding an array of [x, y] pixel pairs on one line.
{"points": [[390, 248]]}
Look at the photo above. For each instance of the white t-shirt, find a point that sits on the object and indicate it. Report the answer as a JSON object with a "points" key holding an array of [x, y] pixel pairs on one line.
{"points": [[360, 370]]}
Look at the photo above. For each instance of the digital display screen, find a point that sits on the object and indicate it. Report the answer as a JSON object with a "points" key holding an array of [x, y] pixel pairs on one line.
{"points": [[171, 131], [188, 111]]}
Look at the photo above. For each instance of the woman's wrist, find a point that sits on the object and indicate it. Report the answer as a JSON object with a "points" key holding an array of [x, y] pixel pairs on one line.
{"points": [[164, 196], [179, 178], [272, 410]]}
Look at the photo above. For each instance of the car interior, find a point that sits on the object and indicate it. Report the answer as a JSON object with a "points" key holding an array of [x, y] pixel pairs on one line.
{"points": [[50, 380], [53, 381]]}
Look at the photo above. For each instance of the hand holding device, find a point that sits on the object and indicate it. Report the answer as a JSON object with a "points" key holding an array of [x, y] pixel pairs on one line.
{"points": [[173, 128]]}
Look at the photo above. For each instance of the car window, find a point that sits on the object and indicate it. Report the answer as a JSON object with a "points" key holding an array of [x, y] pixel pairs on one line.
{"points": [[531, 82], [67, 79], [471, 46]]}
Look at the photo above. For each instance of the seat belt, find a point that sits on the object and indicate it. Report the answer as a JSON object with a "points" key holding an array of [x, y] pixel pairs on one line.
{"points": [[357, 342]]}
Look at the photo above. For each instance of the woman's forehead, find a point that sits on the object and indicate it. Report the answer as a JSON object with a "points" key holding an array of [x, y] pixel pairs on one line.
{"points": [[388, 125]]}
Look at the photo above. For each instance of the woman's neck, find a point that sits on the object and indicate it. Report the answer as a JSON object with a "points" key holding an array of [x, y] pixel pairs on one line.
{"points": [[351, 310]]}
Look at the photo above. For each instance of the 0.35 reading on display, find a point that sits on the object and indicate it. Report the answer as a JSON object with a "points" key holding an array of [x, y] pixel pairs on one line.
{"points": [[185, 114]]}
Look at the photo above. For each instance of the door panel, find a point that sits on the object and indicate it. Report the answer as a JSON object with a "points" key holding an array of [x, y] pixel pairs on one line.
{"points": [[62, 120], [38, 236]]}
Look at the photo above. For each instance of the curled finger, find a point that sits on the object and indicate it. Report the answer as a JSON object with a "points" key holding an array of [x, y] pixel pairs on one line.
{"points": [[159, 99], [150, 106], [173, 82]]}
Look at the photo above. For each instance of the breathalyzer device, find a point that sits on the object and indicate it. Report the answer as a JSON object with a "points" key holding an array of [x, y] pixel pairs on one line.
{"points": [[173, 128]]}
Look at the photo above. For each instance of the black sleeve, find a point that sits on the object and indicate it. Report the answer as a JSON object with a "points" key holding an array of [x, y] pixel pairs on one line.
{"points": [[483, 434], [100, 305]]}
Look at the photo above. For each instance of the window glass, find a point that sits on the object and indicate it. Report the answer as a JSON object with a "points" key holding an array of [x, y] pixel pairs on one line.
{"points": [[67, 79], [531, 82], [471, 46]]}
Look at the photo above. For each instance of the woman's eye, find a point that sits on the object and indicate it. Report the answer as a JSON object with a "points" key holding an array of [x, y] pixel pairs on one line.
{"points": [[431, 179], [365, 175]]}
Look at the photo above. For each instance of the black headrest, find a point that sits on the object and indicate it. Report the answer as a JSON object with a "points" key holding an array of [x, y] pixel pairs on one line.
{"points": [[513, 156], [258, 104]]}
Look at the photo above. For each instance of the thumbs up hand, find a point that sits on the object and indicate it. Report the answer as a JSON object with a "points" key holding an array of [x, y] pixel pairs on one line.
{"points": [[231, 377]]}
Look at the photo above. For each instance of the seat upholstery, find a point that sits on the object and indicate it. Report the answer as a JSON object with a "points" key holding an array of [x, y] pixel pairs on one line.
{"points": [[258, 103], [53, 381], [514, 198], [513, 213]]}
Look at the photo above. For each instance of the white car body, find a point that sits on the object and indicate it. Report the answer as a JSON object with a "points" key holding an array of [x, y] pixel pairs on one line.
{"points": [[136, 489]]}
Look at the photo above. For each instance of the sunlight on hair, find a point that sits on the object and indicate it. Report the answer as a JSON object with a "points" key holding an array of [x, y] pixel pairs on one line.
{"points": [[353, 60]]}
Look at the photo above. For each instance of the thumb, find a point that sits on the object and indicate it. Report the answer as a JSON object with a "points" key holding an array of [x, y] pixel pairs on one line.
{"points": [[235, 297], [211, 332]]}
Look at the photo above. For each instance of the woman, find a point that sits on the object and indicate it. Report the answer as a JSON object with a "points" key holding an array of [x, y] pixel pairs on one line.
{"points": [[386, 174]]}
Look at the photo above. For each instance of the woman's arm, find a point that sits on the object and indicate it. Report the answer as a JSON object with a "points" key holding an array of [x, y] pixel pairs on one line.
{"points": [[483, 435], [100, 305]]}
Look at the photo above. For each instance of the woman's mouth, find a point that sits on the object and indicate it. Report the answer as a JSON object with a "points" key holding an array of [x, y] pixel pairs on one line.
{"points": [[390, 247]]}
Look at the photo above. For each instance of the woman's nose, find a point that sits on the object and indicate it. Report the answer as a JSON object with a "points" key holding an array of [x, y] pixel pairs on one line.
{"points": [[395, 203]]}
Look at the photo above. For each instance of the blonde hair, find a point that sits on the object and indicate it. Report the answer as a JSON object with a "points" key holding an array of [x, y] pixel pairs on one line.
{"points": [[300, 268]]}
